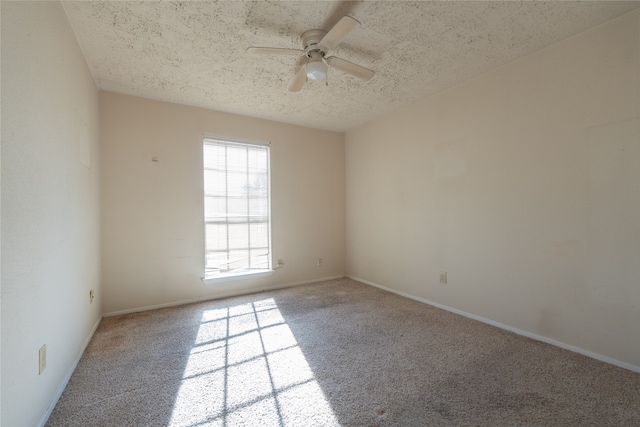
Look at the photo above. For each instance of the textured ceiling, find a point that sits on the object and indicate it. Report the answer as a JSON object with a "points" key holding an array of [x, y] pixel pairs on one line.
{"points": [[194, 52]]}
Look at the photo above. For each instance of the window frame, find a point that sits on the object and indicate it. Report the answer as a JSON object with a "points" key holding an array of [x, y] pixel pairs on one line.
{"points": [[211, 276]]}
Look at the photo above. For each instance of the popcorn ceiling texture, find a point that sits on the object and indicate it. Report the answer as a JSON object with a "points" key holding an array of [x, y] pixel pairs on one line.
{"points": [[194, 53]]}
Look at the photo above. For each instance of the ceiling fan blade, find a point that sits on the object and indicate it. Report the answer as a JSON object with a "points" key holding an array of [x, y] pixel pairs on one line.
{"points": [[349, 68], [298, 82], [345, 25], [274, 51]]}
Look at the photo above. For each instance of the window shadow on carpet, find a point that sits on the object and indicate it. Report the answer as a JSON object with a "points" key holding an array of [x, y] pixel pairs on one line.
{"points": [[246, 368]]}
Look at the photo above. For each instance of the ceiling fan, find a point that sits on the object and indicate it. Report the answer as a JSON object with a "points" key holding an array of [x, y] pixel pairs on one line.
{"points": [[316, 44]]}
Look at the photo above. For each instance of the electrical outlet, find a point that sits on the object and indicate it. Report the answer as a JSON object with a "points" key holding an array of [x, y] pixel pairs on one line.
{"points": [[42, 359], [320, 262], [91, 296], [280, 264], [443, 277]]}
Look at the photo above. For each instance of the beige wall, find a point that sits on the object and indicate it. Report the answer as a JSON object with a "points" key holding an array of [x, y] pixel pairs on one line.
{"points": [[50, 206], [524, 185], [152, 212]]}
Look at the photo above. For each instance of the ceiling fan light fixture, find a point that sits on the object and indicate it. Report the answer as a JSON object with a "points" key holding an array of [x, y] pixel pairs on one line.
{"points": [[316, 44], [316, 70]]}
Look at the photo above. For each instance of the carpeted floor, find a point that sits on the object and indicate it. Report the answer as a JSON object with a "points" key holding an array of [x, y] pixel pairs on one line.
{"points": [[333, 353]]}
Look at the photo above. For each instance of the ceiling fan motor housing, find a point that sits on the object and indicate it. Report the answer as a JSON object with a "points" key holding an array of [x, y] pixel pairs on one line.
{"points": [[310, 42]]}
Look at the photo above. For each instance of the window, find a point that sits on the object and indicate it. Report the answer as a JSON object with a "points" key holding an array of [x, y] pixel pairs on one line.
{"points": [[236, 209]]}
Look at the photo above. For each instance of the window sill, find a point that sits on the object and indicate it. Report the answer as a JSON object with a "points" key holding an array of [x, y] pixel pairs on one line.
{"points": [[229, 277]]}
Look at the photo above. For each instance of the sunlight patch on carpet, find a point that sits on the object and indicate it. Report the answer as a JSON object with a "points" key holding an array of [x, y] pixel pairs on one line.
{"points": [[246, 368]]}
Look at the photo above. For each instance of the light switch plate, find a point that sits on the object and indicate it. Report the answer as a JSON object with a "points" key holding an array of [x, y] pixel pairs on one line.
{"points": [[42, 359]]}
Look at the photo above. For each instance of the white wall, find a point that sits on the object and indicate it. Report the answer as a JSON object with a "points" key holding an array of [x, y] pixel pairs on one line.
{"points": [[524, 185], [152, 213], [50, 206]]}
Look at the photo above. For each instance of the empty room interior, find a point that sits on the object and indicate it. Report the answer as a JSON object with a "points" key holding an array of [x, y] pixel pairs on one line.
{"points": [[433, 172]]}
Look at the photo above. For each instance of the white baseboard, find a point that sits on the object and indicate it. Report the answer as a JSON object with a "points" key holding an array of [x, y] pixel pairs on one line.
{"points": [[536, 337], [219, 296], [67, 377]]}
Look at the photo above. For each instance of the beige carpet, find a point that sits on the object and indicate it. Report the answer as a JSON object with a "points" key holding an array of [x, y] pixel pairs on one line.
{"points": [[333, 353]]}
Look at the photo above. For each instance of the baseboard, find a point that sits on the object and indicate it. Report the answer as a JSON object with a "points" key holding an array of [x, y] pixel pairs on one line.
{"points": [[536, 337], [219, 296], [67, 377]]}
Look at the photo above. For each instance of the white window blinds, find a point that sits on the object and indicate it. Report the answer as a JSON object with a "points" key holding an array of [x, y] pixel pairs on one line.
{"points": [[236, 207]]}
